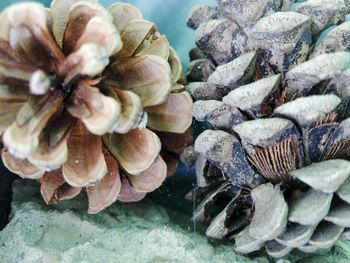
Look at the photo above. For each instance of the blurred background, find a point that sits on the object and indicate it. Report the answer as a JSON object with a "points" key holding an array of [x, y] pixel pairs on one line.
{"points": [[169, 15]]}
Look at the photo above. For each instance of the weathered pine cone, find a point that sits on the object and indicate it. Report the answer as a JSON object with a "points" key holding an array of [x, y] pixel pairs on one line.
{"points": [[272, 90], [90, 98]]}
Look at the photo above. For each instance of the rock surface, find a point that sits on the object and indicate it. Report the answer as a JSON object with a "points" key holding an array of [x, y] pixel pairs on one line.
{"points": [[139, 232], [142, 232]]}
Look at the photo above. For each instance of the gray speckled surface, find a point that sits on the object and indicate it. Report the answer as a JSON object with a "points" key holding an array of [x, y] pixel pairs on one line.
{"points": [[141, 232]]}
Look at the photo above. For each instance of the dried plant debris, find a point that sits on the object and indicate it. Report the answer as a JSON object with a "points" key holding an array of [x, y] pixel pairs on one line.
{"points": [[273, 165], [90, 98]]}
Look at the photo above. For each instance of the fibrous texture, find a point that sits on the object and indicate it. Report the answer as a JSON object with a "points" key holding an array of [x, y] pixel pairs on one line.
{"points": [[90, 98], [270, 80]]}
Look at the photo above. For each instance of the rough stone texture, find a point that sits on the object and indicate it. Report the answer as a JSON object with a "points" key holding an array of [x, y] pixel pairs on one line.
{"points": [[252, 97], [269, 201], [200, 70], [133, 233], [202, 107], [317, 106], [200, 14], [247, 12], [301, 79], [221, 40], [322, 12], [335, 39], [206, 91], [225, 152], [284, 38], [139, 232], [235, 73]]}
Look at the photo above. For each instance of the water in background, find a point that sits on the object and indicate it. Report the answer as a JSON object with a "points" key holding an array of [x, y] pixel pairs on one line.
{"points": [[169, 15]]}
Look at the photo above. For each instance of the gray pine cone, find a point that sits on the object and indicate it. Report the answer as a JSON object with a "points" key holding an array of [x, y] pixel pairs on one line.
{"points": [[270, 80]]}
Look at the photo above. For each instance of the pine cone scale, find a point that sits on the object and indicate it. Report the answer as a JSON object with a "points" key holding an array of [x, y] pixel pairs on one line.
{"points": [[285, 103], [66, 84]]}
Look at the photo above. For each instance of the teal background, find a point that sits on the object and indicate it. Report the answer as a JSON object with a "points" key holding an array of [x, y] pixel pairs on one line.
{"points": [[169, 15]]}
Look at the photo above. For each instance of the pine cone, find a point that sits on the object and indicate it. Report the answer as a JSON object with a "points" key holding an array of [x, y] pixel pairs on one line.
{"points": [[79, 85], [272, 92]]}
